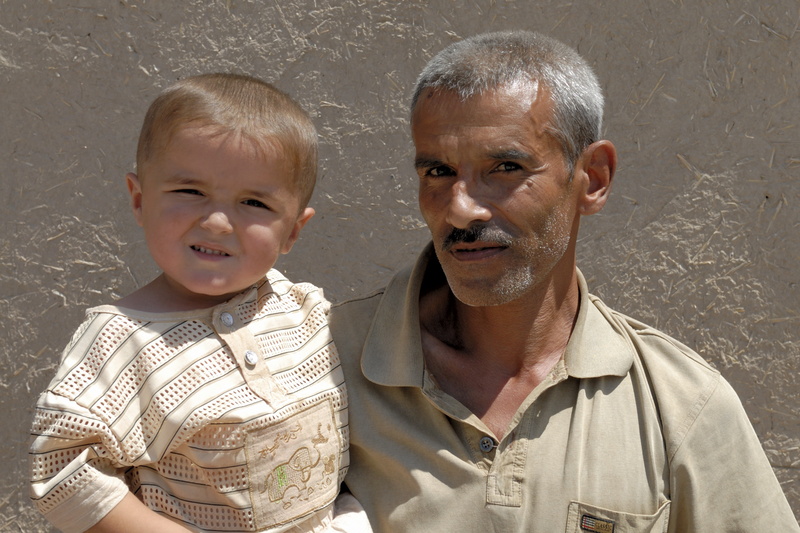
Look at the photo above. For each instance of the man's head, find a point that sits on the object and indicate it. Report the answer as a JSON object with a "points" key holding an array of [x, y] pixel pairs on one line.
{"points": [[491, 60], [234, 104], [503, 181]]}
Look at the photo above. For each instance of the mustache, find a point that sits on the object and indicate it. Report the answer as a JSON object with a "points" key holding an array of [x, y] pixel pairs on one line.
{"points": [[475, 233]]}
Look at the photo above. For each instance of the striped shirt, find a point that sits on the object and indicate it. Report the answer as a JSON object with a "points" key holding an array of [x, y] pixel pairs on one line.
{"points": [[232, 418]]}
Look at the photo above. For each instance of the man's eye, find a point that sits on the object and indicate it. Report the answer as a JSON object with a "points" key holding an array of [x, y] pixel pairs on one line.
{"points": [[438, 172], [256, 203], [507, 166]]}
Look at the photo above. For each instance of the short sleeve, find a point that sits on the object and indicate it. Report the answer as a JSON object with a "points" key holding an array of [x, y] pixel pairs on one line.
{"points": [[74, 481], [721, 478]]}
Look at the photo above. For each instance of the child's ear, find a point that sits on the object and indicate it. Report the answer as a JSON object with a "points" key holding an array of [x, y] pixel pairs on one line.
{"points": [[303, 218], [135, 190]]}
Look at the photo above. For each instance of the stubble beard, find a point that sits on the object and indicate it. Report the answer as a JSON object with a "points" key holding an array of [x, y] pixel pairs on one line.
{"points": [[533, 259]]}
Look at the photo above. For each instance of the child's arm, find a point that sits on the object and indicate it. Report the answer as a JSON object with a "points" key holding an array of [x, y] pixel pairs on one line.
{"points": [[132, 516], [73, 479]]}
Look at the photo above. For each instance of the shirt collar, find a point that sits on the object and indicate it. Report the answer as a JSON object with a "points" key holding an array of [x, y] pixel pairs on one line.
{"points": [[393, 349], [597, 346]]}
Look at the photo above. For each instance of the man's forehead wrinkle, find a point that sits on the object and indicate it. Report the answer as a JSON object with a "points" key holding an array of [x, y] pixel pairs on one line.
{"points": [[497, 126]]}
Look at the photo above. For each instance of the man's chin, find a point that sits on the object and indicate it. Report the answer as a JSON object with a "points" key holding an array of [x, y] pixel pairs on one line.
{"points": [[485, 294]]}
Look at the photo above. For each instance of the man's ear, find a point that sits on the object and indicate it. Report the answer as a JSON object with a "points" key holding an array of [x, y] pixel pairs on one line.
{"points": [[135, 190], [598, 164], [302, 219]]}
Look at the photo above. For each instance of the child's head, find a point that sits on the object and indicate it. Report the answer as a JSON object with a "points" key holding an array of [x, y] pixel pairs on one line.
{"points": [[226, 165], [236, 104]]}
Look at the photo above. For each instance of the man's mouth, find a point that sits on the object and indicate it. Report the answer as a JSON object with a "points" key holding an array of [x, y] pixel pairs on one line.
{"points": [[476, 252], [209, 251], [476, 248]]}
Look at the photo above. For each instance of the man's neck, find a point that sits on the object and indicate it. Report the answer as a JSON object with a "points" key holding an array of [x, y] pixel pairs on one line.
{"points": [[491, 358]]}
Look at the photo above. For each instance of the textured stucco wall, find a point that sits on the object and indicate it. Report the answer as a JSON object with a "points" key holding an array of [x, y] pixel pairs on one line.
{"points": [[699, 238]]}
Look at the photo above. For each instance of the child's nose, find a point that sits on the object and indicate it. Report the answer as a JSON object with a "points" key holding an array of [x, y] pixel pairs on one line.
{"points": [[217, 222]]}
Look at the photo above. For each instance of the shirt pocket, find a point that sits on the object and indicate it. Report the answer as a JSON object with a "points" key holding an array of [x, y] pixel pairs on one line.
{"points": [[583, 518], [293, 466]]}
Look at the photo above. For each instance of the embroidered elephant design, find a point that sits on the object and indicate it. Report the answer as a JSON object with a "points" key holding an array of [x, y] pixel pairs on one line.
{"points": [[294, 473]]}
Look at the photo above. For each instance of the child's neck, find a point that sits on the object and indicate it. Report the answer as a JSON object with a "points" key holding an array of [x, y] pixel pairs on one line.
{"points": [[160, 296]]}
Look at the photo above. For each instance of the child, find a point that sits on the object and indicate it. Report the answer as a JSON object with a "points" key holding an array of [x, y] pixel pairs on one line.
{"points": [[211, 399]]}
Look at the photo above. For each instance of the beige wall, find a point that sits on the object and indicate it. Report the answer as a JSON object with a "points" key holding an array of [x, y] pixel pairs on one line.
{"points": [[699, 239]]}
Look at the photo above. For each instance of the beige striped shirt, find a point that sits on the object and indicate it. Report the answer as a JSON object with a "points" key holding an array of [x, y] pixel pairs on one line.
{"points": [[226, 419]]}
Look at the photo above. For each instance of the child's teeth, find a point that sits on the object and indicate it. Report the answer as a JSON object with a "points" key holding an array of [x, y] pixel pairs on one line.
{"points": [[207, 251]]}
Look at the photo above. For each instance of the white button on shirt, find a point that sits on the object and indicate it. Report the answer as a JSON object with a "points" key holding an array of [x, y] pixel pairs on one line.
{"points": [[227, 319], [250, 357]]}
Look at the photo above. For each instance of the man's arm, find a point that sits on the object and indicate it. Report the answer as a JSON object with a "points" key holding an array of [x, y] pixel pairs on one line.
{"points": [[132, 516]]}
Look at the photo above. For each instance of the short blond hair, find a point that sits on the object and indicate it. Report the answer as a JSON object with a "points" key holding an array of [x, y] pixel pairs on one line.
{"points": [[234, 103]]}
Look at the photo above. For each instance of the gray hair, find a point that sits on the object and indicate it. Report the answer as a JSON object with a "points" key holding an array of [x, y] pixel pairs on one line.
{"points": [[487, 61]]}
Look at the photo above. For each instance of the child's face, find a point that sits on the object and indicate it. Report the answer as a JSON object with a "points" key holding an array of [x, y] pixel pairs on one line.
{"points": [[216, 213]]}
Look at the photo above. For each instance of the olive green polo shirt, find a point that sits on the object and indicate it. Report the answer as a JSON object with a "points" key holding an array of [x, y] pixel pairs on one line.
{"points": [[631, 431]]}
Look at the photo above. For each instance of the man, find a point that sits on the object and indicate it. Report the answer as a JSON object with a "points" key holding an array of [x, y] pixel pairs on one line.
{"points": [[489, 390]]}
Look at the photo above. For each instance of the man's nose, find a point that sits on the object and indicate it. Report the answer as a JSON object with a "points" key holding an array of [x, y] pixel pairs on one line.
{"points": [[217, 221], [466, 204]]}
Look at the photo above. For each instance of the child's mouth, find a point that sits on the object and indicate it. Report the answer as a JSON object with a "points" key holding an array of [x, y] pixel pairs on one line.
{"points": [[208, 251]]}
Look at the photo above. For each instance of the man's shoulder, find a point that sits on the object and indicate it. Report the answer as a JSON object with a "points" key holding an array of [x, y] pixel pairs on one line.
{"points": [[365, 304], [356, 301], [684, 386], [355, 314], [350, 322], [656, 346]]}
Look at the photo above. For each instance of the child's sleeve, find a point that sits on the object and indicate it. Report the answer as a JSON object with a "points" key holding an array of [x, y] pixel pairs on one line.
{"points": [[74, 482]]}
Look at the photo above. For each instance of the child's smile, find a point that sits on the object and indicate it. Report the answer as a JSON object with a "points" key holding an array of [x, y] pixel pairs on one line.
{"points": [[208, 251]]}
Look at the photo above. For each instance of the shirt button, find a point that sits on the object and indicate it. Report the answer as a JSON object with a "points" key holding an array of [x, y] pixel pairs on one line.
{"points": [[227, 319], [250, 357], [487, 444]]}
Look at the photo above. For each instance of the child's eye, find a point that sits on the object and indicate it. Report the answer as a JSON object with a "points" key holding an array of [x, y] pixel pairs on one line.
{"points": [[256, 203], [188, 191]]}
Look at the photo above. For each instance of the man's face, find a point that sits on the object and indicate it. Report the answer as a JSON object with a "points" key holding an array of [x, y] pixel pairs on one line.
{"points": [[495, 192]]}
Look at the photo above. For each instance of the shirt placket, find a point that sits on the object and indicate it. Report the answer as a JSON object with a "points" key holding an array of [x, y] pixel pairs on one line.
{"points": [[245, 349], [503, 462]]}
